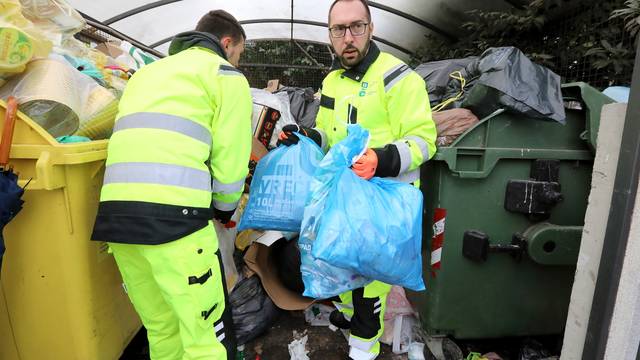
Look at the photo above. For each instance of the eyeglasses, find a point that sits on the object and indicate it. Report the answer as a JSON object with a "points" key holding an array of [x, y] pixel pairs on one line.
{"points": [[356, 29]]}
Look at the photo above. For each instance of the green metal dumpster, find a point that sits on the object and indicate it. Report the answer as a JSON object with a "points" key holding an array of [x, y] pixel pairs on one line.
{"points": [[504, 209]]}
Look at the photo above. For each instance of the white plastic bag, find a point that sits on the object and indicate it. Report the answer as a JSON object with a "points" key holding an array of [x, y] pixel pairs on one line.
{"points": [[139, 57], [399, 322], [56, 17], [226, 244], [401, 333], [318, 314], [297, 348], [263, 98]]}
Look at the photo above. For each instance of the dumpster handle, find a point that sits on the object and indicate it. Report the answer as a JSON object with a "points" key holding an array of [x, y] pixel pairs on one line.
{"points": [[47, 176], [476, 246]]}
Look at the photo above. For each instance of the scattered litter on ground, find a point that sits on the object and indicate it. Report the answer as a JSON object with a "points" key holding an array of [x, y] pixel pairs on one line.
{"points": [[416, 351], [297, 348], [318, 315]]}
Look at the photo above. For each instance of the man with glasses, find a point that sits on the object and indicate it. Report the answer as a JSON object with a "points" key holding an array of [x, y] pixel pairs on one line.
{"points": [[381, 93]]}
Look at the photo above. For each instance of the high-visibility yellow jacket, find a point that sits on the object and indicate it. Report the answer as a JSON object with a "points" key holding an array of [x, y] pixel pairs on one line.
{"points": [[390, 100], [180, 146]]}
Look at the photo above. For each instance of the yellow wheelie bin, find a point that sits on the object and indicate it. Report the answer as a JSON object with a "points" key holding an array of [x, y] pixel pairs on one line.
{"points": [[61, 295]]}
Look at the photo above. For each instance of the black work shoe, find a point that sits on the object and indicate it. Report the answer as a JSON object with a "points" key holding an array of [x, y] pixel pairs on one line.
{"points": [[337, 319]]}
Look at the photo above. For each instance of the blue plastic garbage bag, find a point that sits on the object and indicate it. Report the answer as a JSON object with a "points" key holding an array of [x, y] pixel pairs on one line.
{"points": [[321, 279], [374, 227], [280, 187]]}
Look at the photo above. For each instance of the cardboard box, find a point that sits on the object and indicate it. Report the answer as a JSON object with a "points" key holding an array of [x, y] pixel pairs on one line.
{"points": [[258, 258], [110, 49]]}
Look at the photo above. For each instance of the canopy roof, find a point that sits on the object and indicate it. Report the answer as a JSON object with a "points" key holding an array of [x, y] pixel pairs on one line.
{"points": [[400, 25]]}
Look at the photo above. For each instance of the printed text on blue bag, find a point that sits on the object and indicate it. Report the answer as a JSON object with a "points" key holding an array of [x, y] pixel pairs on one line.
{"points": [[281, 182]]}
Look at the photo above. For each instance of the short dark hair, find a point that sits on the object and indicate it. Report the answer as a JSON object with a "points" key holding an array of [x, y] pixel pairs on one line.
{"points": [[220, 23], [363, 2]]}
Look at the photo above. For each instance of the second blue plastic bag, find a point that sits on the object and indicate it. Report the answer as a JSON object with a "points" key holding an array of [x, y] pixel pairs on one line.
{"points": [[373, 228], [322, 279], [280, 187]]}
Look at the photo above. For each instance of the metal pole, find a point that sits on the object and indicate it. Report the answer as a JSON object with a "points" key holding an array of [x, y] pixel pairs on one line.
{"points": [[291, 37], [115, 33], [138, 10], [285, 66], [295, 21]]}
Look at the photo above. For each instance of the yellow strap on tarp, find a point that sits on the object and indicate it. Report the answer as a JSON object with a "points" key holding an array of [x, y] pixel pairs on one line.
{"points": [[456, 75]]}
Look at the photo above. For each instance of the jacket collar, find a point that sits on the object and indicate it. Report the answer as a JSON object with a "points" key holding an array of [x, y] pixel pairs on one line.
{"points": [[190, 39], [357, 72]]}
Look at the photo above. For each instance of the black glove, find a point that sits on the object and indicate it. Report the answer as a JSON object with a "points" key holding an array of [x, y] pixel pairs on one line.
{"points": [[288, 138], [223, 216], [388, 161]]}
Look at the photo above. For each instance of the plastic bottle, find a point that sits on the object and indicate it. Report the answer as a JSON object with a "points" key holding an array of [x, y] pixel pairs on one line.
{"points": [[240, 352]]}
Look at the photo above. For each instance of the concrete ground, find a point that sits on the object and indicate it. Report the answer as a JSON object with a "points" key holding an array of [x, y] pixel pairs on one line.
{"points": [[324, 344]]}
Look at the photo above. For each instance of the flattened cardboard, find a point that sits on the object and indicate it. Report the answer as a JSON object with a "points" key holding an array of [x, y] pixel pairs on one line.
{"points": [[110, 49], [258, 259]]}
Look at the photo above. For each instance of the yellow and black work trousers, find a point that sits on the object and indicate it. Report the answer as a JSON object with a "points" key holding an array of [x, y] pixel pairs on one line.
{"points": [[364, 308], [178, 289]]}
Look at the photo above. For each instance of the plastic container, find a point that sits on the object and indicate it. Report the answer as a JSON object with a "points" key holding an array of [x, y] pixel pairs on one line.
{"points": [[16, 50], [61, 295]]}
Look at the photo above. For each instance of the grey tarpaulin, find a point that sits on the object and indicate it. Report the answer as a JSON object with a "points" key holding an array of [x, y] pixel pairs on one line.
{"points": [[500, 78], [440, 85], [508, 79], [304, 106]]}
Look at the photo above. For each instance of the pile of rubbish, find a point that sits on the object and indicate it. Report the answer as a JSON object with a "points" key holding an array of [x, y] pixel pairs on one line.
{"points": [[462, 91], [278, 247], [270, 250], [71, 89], [68, 87]]}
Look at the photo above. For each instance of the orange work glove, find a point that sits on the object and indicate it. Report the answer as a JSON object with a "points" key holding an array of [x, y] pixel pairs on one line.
{"points": [[366, 165]]}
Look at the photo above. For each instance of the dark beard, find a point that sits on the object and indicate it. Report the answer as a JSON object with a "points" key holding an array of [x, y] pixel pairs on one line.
{"points": [[358, 59]]}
